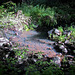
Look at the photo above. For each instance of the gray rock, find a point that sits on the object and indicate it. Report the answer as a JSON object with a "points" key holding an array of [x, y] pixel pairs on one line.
{"points": [[54, 31], [3, 40], [69, 57], [62, 47], [56, 60], [57, 32], [50, 32], [6, 55], [31, 60], [72, 63], [67, 32], [59, 42], [67, 42], [34, 59], [65, 50], [5, 48], [20, 61], [39, 56]]}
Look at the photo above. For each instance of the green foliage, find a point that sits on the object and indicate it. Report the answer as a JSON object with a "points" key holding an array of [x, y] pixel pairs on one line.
{"points": [[2, 11], [40, 14], [63, 37], [43, 16], [73, 30], [43, 68], [52, 71], [4, 14], [8, 65], [32, 26], [36, 2], [50, 16], [65, 59], [58, 38], [60, 29], [25, 8], [64, 14], [21, 53], [10, 6], [72, 69], [72, 38], [32, 70], [41, 63], [26, 27]]}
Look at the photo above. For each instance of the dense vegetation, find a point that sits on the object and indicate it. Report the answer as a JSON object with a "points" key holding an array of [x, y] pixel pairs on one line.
{"points": [[46, 14]]}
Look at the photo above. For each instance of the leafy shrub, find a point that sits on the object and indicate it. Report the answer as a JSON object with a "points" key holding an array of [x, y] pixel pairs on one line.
{"points": [[2, 11], [43, 17], [73, 33], [61, 38], [52, 71], [26, 27], [25, 8], [10, 6], [43, 68], [21, 53], [64, 14], [32, 70], [49, 17], [39, 14], [72, 70], [7, 67], [60, 29]]}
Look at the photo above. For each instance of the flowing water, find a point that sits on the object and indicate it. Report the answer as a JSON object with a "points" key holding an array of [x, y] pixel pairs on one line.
{"points": [[35, 41]]}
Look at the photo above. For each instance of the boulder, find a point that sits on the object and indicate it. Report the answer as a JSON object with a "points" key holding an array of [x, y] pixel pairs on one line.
{"points": [[57, 32], [62, 47], [64, 50], [69, 57], [57, 60], [3, 40], [67, 42], [54, 33], [38, 56], [20, 60], [6, 48], [67, 32], [50, 32], [31, 60], [72, 63]]}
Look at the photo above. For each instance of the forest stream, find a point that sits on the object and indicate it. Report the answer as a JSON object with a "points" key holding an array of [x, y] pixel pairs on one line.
{"points": [[33, 40]]}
